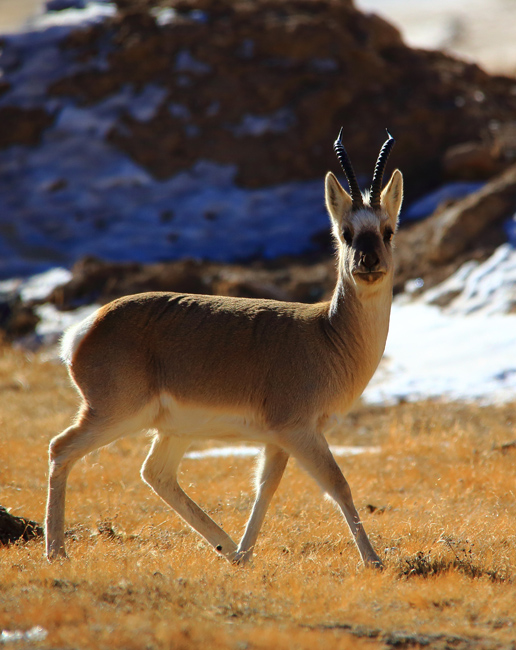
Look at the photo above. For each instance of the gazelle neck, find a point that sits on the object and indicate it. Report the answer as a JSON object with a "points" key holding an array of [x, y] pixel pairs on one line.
{"points": [[360, 317]]}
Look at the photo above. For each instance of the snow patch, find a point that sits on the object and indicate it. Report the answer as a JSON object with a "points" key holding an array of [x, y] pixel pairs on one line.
{"points": [[251, 452], [258, 125], [39, 286], [91, 12], [54, 322], [186, 62], [464, 351], [434, 355], [488, 288], [163, 15], [33, 635]]}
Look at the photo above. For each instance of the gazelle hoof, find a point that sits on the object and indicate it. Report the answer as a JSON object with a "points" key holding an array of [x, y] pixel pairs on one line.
{"points": [[375, 563], [56, 554], [242, 558]]}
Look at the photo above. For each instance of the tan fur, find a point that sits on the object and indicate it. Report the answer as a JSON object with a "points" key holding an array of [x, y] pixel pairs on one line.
{"points": [[193, 367]]}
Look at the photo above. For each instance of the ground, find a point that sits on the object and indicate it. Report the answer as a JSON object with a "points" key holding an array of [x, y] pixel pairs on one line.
{"points": [[438, 500]]}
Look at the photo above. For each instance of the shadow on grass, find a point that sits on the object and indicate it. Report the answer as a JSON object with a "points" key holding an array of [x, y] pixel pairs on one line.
{"points": [[423, 564]]}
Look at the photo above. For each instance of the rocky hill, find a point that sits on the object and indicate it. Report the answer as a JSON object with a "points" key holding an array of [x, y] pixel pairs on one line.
{"points": [[266, 85]]}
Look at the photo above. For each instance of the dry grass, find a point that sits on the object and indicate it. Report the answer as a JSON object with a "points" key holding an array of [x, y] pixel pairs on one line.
{"points": [[438, 502]]}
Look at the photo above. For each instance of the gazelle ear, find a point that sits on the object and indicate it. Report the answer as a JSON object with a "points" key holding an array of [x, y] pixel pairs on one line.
{"points": [[392, 196], [338, 201]]}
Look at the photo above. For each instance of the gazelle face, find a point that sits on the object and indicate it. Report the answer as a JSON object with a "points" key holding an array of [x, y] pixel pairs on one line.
{"points": [[365, 236], [364, 229], [367, 247]]}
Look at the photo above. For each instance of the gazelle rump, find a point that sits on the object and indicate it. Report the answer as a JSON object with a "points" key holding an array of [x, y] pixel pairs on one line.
{"points": [[190, 367]]}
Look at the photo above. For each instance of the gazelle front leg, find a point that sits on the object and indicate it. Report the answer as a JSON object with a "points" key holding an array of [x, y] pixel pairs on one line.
{"points": [[271, 468], [313, 453], [159, 471]]}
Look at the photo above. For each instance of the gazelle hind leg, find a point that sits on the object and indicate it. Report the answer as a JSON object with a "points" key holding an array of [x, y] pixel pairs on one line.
{"points": [[315, 457], [159, 471], [86, 435], [272, 465]]}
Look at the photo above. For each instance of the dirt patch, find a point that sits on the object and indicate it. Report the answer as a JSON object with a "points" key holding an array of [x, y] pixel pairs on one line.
{"points": [[23, 126]]}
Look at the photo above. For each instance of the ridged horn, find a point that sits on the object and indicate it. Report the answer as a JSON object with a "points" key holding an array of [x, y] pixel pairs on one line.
{"points": [[354, 190], [376, 183]]}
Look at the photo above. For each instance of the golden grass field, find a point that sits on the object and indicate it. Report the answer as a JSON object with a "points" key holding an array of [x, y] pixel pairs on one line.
{"points": [[439, 503]]}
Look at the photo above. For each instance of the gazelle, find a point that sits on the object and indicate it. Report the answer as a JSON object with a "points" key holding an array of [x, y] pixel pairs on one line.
{"points": [[192, 367]]}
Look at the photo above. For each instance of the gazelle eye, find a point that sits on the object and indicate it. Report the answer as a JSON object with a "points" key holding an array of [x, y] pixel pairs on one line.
{"points": [[387, 235], [348, 236]]}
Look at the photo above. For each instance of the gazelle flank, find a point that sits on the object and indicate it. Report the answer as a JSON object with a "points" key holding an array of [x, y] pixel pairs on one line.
{"points": [[191, 367]]}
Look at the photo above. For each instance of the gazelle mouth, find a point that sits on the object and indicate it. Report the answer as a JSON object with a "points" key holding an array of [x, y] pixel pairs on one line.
{"points": [[369, 277]]}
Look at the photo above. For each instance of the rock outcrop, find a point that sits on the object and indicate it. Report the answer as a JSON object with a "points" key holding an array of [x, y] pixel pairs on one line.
{"points": [[470, 229], [13, 529], [267, 84]]}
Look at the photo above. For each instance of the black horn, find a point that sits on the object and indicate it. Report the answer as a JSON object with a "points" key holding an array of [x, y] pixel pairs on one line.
{"points": [[376, 184], [354, 190]]}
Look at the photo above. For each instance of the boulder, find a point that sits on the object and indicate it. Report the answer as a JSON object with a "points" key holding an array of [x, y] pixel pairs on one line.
{"points": [[13, 529], [470, 229], [471, 161]]}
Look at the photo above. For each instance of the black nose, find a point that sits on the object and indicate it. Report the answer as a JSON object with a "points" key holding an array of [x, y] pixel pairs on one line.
{"points": [[370, 260], [367, 250]]}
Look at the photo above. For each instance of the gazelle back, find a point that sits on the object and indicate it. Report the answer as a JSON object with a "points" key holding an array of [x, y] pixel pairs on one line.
{"points": [[191, 367]]}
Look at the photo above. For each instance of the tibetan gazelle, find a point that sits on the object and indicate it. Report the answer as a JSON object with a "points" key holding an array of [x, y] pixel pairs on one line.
{"points": [[192, 367]]}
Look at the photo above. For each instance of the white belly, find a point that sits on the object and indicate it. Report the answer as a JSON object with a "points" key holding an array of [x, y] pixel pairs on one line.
{"points": [[192, 421]]}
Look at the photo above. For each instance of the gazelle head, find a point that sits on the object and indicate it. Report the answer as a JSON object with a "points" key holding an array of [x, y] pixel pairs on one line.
{"points": [[364, 226]]}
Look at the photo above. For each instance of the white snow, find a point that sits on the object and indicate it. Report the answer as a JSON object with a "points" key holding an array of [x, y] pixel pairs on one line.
{"points": [[487, 288], [54, 322], [163, 15], [258, 125], [93, 12], [39, 286], [465, 350], [186, 62], [31, 636], [431, 354], [250, 452]]}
